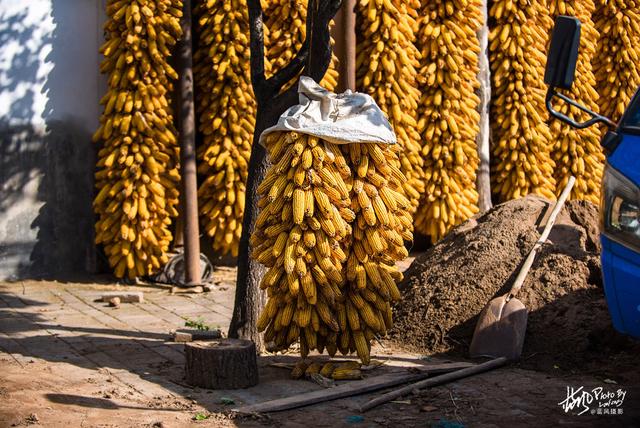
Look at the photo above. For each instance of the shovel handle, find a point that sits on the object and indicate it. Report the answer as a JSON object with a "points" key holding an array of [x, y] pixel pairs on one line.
{"points": [[517, 284]]}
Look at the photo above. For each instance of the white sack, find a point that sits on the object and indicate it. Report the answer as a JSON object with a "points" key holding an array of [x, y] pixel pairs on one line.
{"points": [[338, 118]]}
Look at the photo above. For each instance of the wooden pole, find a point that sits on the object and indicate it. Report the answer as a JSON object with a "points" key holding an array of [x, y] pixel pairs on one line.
{"points": [[187, 135], [350, 44], [484, 136], [344, 34]]}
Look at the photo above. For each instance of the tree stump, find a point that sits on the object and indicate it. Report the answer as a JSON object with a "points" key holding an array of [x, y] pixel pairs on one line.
{"points": [[221, 364]]}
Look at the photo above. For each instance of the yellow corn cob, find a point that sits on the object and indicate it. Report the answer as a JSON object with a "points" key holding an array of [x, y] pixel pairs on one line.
{"points": [[327, 369], [313, 368], [349, 365], [346, 374], [362, 346]]}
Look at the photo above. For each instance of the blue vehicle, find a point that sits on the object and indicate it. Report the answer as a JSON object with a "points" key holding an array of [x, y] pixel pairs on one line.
{"points": [[620, 201]]}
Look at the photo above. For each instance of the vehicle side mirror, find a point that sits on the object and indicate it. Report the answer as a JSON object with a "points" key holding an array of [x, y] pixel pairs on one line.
{"points": [[563, 53], [610, 141]]}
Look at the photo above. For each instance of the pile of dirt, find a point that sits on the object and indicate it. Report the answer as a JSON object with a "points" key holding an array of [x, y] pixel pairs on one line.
{"points": [[446, 288]]}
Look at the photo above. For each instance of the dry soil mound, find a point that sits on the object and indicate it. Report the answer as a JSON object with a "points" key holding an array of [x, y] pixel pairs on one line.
{"points": [[446, 288]]}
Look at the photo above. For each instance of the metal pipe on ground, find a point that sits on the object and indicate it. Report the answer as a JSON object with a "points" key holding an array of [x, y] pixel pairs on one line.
{"points": [[435, 381]]}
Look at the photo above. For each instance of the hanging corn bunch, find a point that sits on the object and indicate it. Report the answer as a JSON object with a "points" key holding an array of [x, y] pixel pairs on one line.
{"points": [[137, 173], [285, 30], [577, 152], [618, 25], [226, 113], [449, 120], [303, 219], [522, 146], [386, 69], [330, 242], [382, 223]]}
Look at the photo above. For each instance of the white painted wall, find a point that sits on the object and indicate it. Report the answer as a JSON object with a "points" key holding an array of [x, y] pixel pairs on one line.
{"points": [[29, 64], [26, 30], [50, 85]]}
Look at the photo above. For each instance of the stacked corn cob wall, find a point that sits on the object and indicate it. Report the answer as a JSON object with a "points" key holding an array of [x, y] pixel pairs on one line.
{"points": [[330, 242], [285, 31], [386, 68], [449, 120], [137, 173], [226, 113], [523, 143], [618, 25], [577, 152]]}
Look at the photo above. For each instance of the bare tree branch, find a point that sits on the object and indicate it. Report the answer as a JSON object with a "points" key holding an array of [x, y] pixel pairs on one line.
{"points": [[308, 37], [328, 10], [256, 46], [291, 70], [320, 37]]}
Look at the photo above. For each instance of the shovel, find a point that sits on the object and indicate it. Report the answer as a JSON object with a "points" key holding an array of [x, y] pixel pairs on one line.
{"points": [[502, 324]]}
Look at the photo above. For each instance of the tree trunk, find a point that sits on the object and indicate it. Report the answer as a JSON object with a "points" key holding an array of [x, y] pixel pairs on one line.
{"points": [[221, 364], [484, 136], [250, 298]]}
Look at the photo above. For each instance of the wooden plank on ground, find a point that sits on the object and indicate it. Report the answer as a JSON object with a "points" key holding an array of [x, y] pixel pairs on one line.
{"points": [[349, 389]]}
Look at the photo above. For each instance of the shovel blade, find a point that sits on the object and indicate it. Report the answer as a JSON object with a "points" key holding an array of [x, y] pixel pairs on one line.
{"points": [[500, 330]]}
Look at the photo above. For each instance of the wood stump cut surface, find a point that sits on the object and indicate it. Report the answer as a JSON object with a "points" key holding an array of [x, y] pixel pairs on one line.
{"points": [[221, 364]]}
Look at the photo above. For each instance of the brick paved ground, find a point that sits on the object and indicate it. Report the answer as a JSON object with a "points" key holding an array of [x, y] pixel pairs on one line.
{"points": [[67, 360], [104, 353]]}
